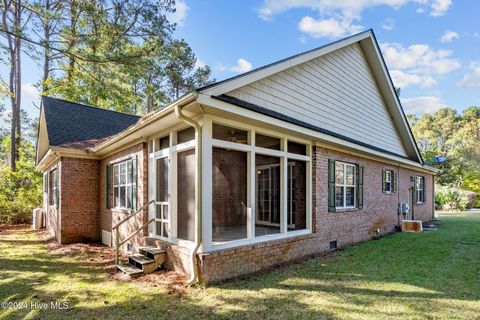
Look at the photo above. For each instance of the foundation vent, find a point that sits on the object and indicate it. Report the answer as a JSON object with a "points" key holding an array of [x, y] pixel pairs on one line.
{"points": [[333, 245]]}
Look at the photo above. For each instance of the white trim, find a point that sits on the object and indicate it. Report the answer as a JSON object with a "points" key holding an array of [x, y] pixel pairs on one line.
{"points": [[271, 237]]}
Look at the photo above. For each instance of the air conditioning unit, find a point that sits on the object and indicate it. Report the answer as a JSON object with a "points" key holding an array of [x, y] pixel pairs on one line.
{"points": [[403, 208]]}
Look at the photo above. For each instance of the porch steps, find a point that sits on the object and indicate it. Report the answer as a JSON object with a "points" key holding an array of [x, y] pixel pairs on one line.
{"points": [[147, 261]]}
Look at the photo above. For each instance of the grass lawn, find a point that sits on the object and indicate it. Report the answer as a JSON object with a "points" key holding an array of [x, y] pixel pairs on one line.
{"points": [[434, 274]]}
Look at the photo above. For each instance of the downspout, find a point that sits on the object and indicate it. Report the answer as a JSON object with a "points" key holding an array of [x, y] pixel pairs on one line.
{"points": [[198, 191]]}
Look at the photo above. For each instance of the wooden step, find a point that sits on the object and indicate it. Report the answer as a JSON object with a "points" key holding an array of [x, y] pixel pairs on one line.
{"points": [[129, 269], [146, 264], [157, 254]]}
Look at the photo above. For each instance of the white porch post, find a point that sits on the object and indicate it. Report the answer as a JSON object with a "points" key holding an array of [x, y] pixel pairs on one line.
{"points": [[284, 188], [251, 186], [207, 184]]}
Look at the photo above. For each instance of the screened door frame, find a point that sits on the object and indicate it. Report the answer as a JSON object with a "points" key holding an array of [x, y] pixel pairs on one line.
{"points": [[170, 153]]}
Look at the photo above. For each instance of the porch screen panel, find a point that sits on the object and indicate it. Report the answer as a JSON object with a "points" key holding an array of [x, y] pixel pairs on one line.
{"points": [[186, 195], [267, 191], [229, 195], [297, 195], [161, 198]]}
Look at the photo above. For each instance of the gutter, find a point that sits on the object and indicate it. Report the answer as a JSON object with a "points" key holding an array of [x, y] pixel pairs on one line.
{"points": [[198, 190]]}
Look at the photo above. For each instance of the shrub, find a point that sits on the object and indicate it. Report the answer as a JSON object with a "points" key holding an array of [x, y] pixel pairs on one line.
{"points": [[20, 191], [452, 198]]}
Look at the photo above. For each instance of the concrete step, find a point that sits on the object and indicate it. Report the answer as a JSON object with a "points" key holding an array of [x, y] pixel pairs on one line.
{"points": [[148, 265], [129, 269]]}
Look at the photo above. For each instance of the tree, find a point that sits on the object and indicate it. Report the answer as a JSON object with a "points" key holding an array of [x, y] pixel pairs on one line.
{"points": [[181, 74], [14, 22]]}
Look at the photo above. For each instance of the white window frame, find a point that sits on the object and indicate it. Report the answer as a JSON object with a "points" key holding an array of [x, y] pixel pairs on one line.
{"points": [[53, 194], [419, 190], [252, 150], [389, 181], [128, 164], [345, 185], [170, 153]]}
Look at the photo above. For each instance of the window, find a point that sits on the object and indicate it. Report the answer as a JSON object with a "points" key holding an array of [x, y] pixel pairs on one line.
{"points": [[419, 189], [122, 184], [345, 185], [54, 188], [388, 181]]}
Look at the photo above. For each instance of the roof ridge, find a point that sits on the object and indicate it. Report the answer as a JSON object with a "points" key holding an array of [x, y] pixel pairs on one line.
{"points": [[93, 107]]}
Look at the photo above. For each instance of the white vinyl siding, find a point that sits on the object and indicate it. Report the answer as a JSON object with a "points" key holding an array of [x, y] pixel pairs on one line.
{"points": [[336, 92]]}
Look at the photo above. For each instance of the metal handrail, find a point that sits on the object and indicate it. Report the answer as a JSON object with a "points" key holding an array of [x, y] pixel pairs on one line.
{"points": [[118, 243]]}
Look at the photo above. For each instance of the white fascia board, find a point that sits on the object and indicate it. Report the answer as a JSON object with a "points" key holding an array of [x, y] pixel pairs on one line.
{"points": [[263, 72], [324, 139]]}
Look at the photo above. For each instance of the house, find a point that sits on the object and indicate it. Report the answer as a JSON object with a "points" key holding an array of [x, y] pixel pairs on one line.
{"points": [[296, 158]]}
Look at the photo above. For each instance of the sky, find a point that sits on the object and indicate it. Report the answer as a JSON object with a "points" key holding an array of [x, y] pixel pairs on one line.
{"points": [[431, 47]]}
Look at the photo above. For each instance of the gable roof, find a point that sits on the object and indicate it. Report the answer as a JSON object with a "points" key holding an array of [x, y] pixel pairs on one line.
{"points": [[369, 45], [78, 126]]}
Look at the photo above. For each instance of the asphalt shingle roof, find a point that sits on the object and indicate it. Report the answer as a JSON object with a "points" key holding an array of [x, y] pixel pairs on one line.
{"points": [[79, 126]]}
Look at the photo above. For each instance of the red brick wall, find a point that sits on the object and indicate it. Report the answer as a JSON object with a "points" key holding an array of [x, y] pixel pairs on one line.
{"points": [[109, 217], [347, 227], [79, 187]]}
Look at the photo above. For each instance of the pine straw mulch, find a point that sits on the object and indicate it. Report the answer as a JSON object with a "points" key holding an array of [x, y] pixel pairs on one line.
{"points": [[100, 256]]}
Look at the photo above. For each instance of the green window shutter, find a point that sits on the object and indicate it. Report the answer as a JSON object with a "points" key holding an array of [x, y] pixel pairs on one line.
{"points": [[360, 187], [107, 188], [395, 178], [331, 185], [134, 184], [384, 183]]}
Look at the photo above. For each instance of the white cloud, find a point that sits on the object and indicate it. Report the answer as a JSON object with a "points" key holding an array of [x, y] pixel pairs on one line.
{"points": [[330, 28], [440, 7], [388, 24], [30, 92], [335, 18], [199, 63], [404, 79], [419, 58], [472, 78], [449, 36], [420, 105], [242, 66], [180, 13]]}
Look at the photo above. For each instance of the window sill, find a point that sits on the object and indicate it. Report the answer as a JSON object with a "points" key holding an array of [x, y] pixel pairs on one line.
{"points": [[341, 210], [419, 203], [121, 210]]}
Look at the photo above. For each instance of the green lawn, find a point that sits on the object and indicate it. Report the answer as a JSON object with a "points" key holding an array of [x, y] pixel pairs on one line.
{"points": [[407, 276]]}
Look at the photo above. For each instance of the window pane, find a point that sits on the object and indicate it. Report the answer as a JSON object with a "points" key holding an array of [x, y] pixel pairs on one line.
{"points": [[299, 148], [186, 195], [388, 186], [165, 229], [267, 142], [349, 175], [339, 196], [297, 195], [267, 216], [230, 134], [158, 211], [116, 196], [122, 197], [185, 135], [229, 195], [339, 174], [123, 171], [350, 196], [158, 227], [162, 143], [162, 179], [129, 197], [129, 171], [116, 180]]}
